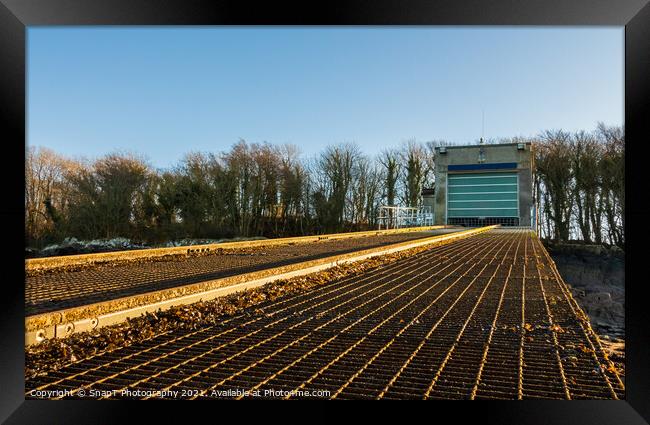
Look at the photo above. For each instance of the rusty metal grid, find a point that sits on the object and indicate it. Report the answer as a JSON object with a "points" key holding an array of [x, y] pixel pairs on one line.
{"points": [[487, 317], [59, 290]]}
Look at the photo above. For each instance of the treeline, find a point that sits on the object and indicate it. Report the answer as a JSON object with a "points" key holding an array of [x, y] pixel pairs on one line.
{"points": [[249, 190], [268, 190], [580, 185]]}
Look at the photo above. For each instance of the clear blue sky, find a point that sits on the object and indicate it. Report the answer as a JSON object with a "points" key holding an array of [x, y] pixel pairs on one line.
{"points": [[164, 91]]}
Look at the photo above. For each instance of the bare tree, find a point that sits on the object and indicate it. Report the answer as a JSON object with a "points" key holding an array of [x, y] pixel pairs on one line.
{"points": [[45, 192], [335, 171], [418, 165], [292, 181], [586, 153], [390, 161], [554, 167], [612, 169]]}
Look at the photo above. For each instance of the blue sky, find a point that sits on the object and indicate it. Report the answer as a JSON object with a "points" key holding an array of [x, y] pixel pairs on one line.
{"points": [[165, 91]]}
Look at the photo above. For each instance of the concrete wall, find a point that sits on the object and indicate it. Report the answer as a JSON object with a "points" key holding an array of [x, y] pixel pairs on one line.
{"points": [[428, 201], [457, 155]]}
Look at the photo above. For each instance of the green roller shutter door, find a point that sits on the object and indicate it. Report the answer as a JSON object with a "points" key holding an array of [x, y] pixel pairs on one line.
{"points": [[482, 195]]}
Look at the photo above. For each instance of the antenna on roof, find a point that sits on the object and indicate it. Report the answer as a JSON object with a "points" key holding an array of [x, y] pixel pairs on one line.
{"points": [[482, 124]]}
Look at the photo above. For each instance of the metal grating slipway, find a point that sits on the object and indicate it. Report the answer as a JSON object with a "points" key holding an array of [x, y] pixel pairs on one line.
{"points": [[484, 317]]}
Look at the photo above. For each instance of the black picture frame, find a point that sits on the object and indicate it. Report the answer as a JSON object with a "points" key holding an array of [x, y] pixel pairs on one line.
{"points": [[16, 15]]}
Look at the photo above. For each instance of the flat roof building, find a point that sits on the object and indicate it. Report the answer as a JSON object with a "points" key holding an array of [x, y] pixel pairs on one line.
{"points": [[479, 185]]}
